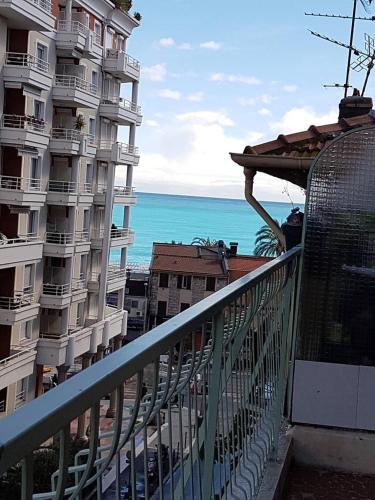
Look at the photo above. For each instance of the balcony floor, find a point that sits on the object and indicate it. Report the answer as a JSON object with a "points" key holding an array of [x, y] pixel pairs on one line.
{"points": [[305, 483]]}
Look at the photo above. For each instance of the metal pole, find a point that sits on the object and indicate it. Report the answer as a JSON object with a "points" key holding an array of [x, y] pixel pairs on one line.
{"points": [[350, 49]]}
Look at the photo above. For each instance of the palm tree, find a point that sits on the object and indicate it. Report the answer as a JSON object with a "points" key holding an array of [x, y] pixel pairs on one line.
{"points": [[204, 242], [267, 243]]}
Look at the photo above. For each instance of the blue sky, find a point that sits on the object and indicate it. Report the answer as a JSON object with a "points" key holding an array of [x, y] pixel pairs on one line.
{"points": [[220, 75]]}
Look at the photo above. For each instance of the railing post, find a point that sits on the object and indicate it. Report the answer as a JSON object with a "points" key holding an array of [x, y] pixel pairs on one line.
{"points": [[213, 404]]}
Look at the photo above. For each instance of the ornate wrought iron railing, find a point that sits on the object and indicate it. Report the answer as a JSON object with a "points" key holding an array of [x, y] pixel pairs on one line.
{"points": [[197, 403]]}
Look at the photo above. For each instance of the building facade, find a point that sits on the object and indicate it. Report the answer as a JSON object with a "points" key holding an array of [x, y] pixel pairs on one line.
{"points": [[64, 70], [182, 275]]}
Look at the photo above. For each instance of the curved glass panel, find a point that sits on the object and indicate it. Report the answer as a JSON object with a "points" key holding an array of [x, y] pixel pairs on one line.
{"points": [[337, 321]]}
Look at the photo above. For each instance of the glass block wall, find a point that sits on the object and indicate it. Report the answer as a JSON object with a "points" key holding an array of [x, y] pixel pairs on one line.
{"points": [[337, 310]]}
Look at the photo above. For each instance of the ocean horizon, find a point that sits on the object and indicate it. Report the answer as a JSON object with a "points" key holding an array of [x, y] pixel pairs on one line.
{"points": [[164, 218]]}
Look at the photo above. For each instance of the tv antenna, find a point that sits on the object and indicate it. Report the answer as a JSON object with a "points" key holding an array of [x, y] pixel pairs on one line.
{"points": [[366, 59]]}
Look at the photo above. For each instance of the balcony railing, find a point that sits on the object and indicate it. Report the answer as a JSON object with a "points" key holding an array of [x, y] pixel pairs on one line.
{"points": [[20, 399], [56, 290], [78, 284], [123, 103], [23, 122], [26, 61], [85, 187], [119, 232], [16, 353], [82, 236], [107, 145], [72, 27], [27, 238], [115, 272], [76, 83], [19, 183], [113, 54], [19, 300], [62, 187], [2, 406], [66, 134], [217, 376], [59, 238]]}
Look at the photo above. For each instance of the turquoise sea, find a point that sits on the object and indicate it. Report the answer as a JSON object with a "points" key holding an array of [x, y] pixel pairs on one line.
{"points": [[163, 218]]}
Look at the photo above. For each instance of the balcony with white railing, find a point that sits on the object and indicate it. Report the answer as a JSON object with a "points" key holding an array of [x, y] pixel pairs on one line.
{"points": [[120, 110], [21, 250], [33, 15], [82, 241], [23, 131], [121, 65], [216, 379], [27, 69], [122, 195], [75, 92], [56, 296], [117, 152], [22, 306], [119, 237], [79, 289], [58, 244], [18, 365], [21, 191], [86, 195], [62, 193], [65, 141], [116, 278], [71, 37]]}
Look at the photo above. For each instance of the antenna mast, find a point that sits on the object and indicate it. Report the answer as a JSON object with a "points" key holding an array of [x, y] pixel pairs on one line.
{"points": [[350, 48]]}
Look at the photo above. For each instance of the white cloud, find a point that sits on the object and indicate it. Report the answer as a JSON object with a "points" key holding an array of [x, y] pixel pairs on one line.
{"points": [[195, 97], [170, 94], [166, 42], [297, 119], [155, 73], [211, 45], [253, 137], [264, 112], [251, 101], [151, 123], [185, 46], [206, 118], [227, 77], [289, 88]]}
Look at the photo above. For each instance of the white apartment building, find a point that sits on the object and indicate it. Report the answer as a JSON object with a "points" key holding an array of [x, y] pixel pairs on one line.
{"points": [[63, 67]]}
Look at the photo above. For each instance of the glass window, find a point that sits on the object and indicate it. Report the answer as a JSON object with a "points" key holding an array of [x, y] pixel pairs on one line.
{"points": [[92, 126], [184, 282], [210, 284], [163, 280], [184, 306], [26, 330], [38, 110]]}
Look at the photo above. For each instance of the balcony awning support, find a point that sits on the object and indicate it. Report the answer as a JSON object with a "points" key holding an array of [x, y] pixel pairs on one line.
{"points": [[249, 184]]}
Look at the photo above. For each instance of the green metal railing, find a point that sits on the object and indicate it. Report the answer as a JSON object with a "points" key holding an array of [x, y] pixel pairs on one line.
{"points": [[197, 403]]}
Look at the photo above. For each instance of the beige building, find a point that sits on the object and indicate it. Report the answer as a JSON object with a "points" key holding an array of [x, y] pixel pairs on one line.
{"points": [[63, 68]]}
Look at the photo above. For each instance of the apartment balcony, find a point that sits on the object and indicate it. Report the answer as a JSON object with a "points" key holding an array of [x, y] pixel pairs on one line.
{"points": [[120, 110], [23, 131], [18, 365], [119, 153], [33, 15], [21, 191], [116, 279], [122, 195], [82, 241], [55, 349], [74, 92], [75, 39], [66, 141], [58, 244], [26, 69], [26, 249], [79, 289], [22, 306], [55, 296], [119, 237], [62, 193], [121, 65], [226, 390], [86, 195]]}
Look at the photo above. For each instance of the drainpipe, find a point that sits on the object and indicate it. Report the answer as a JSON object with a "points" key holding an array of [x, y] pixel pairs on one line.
{"points": [[249, 184]]}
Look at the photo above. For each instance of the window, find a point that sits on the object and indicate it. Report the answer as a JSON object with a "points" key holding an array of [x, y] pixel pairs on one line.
{"points": [[98, 32], [184, 282], [42, 55], [135, 303], [21, 390], [28, 278], [26, 330], [163, 280], [162, 308], [32, 223], [210, 284], [92, 126], [38, 109], [184, 306], [94, 80], [34, 173]]}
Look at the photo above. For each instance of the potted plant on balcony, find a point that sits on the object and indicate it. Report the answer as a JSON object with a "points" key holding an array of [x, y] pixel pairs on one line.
{"points": [[125, 5], [80, 122], [137, 16]]}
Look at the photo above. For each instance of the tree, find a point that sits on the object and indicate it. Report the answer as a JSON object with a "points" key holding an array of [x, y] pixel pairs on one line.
{"points": [[125, 5], [204, 242], [267, 243]]}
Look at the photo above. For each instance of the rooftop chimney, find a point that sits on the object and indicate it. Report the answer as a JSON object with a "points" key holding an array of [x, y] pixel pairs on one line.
{"points": [[233, 248], [354, 105]]}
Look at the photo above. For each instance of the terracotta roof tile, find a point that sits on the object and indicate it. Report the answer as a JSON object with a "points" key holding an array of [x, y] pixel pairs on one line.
{"points": [[186, 265], [241, 265]]}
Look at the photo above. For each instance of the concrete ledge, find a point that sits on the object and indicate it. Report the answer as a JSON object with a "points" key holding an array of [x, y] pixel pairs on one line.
{"points": [[337, 449], [276, 473]]}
